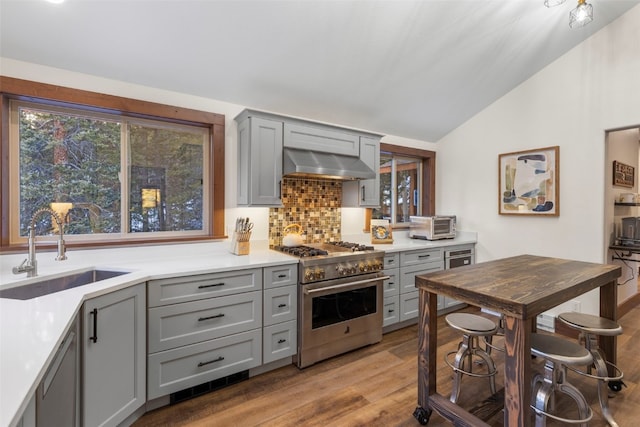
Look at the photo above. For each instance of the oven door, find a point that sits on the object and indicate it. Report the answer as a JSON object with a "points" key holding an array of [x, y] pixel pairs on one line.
{"points": [[336, 316]]}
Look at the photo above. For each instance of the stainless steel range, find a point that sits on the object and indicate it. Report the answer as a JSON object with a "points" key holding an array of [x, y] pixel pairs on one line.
{"points": [[339, 300]]}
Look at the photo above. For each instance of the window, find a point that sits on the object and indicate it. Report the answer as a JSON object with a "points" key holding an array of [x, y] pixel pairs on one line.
{"points": [[113, 176], [407, 184]]}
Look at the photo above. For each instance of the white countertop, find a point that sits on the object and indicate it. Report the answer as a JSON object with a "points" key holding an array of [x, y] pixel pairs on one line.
{"points": [[31, 330]]}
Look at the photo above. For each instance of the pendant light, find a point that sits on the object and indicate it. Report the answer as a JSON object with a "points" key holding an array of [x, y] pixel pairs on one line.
{"points": [[581, 15]]}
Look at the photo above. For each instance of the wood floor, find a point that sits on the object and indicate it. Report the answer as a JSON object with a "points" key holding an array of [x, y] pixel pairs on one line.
{"points": [[376, 386]]}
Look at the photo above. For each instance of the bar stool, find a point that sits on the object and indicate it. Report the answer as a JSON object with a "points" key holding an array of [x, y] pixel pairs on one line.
{"points": [[590, 328], [558, 354], [472, 327]]}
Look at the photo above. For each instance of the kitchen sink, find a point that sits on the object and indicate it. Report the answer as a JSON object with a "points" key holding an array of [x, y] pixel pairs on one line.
{"points": [[57, 284]]}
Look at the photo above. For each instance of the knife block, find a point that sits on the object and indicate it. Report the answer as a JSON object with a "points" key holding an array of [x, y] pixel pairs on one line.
{"points": [[240, 244]]}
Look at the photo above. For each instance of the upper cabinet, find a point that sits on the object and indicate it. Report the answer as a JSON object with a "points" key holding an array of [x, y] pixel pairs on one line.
{"points": [[312, 149], [259, 161], [365, 192]]}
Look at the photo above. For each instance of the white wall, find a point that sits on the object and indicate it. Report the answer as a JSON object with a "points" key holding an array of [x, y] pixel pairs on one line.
{"points": [[570, 103]]}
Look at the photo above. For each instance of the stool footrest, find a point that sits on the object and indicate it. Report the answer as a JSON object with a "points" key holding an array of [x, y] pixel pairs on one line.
{"points": [[618, 371], [490, 372], [564, 420]]}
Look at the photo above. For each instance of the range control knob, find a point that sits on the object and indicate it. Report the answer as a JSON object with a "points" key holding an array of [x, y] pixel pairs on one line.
{"points": [[319, 273], [309, 275]]}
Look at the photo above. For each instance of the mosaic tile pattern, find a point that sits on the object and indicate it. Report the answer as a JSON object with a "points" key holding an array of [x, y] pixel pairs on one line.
{"points": [[312, 203]]}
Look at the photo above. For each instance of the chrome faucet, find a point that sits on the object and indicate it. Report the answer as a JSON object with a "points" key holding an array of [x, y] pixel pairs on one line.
{"points": [[30, 265]]}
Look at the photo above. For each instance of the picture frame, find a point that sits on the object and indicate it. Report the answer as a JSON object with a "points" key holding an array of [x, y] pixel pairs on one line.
{"points": [[381, 231], [529, 182], [623, 175]]}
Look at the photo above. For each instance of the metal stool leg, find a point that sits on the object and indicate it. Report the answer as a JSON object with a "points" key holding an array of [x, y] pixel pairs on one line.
{"points": [[491, 367], [591, 342], [458, 363]]}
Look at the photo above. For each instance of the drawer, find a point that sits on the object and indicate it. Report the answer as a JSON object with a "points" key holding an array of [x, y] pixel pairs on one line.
{"points": [[281, 275], [408, 274], [390, 311], [191, 288], [280, 304], [391, 286], [183, 367], [392, 260], [420, 256], [280, 341], [409, 306], [191, 322]]}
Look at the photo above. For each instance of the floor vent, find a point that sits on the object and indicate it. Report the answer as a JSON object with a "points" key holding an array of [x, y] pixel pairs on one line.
{"points": [[200, 389]]}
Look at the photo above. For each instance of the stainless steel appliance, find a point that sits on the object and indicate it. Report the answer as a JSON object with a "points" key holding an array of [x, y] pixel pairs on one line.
{"points": [[458, 258], [630, 235], [432, 227], [340, 299]]}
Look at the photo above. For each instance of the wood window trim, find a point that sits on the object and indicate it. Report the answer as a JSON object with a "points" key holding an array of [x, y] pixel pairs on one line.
{"points": [[428, 178], [13, 88]]}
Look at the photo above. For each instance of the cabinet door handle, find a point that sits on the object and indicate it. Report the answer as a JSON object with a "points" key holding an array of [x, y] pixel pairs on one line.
{"points": [[211, 285], [94, 338], [280, 341], [424, 256], [282, 305], [215, 316], [201, 364], [363, 190], [280, 188]]}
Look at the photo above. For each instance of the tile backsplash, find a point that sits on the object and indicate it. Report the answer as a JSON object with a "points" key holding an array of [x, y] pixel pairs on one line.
{"points": [[312, 203]]}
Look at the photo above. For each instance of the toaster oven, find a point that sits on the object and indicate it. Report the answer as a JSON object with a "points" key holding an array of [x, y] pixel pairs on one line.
{"points": [[432, 227]]}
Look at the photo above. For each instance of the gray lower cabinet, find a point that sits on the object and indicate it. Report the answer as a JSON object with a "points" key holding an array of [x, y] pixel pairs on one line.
{"points": [[58, 395], [412, 263], [113, 354], [391, 289], [280, 312], [203, 327]]}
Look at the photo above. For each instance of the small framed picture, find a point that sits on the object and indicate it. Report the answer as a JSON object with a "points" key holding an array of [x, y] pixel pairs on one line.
{"points": [[381, 231], [623, 175]]}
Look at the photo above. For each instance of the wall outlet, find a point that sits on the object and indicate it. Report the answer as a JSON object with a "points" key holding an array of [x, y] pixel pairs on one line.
{"points": [[546, 322], [575, 305]]}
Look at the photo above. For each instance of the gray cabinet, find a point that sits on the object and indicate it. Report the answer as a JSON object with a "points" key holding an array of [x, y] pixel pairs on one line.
{"points": [[412, 263], [58, 395], [391, 290], [113, 344], [280, 312], [321, 138], [365, 192], [201, 328], [259, 161]]}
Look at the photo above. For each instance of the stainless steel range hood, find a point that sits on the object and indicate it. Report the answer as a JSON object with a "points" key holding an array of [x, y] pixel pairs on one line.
{"points": [[327, 165]]}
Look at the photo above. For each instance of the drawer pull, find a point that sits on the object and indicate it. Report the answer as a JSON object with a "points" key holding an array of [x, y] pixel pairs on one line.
{"points": [[215, 316], [281, 276], [211, 285], [424, 256], [282, 305], [219, 359], [391, 283], [391, 311], [281, 340]]}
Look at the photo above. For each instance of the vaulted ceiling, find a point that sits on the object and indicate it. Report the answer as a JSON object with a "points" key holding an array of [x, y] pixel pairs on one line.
{"points": [[416, 69]]}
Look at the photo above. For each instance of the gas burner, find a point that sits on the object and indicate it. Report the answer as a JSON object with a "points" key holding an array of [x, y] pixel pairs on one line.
{"points": [[301, 251], [355, 247]]}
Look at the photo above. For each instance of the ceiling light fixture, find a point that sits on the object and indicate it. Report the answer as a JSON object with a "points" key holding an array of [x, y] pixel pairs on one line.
{"points": [[581, 15], [551, 3]]}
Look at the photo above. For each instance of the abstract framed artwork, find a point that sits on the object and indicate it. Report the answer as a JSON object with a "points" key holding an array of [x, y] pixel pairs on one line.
{"points": [[529, 182]]}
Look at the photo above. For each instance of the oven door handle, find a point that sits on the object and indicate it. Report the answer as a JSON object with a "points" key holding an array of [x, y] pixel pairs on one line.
{"points": [[357, 283]]}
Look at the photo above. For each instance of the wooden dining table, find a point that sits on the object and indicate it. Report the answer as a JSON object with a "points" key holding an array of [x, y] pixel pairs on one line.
{"points": [[520, 288]]}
